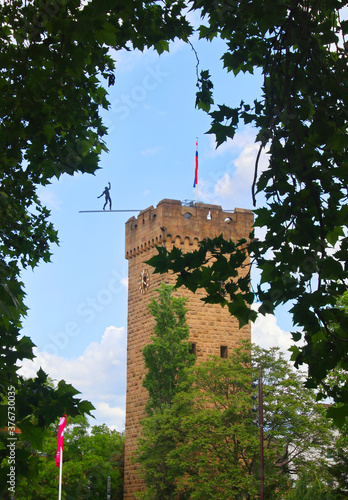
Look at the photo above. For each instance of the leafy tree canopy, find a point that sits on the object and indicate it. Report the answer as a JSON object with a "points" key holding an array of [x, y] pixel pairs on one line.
{"points": [[338, 466], [167, 359], [311, 488], [207, 443], [167, 355], [301, 123]]}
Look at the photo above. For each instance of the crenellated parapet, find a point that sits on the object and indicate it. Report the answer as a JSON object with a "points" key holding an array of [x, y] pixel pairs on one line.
{"points": [[173, 224]]}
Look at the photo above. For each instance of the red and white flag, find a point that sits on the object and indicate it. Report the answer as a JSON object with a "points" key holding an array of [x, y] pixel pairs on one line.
{"points": [[195, 181], [62, 424]]}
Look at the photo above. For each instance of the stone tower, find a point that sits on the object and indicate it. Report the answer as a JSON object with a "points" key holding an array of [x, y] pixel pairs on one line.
{"points": [[212, 330]]}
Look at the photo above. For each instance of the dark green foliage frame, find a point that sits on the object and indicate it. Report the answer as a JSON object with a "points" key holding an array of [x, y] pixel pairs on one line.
{"points": [[301, 123]]}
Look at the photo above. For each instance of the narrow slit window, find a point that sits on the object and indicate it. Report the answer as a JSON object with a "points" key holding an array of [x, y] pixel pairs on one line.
{"points": [[223, 351], [193, 348]]}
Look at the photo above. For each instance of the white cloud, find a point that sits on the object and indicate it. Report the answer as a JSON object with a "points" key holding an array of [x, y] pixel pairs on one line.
{"points": [[203, 190], [128, 60], [99, 374], [49, 198], [107, 413], [266, 333], [230, 183], [235, 187], [232, 146], [152, 151], [224, 186], [124, 282]]}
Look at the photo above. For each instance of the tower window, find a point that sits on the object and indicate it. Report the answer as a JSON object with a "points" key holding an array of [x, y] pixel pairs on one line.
{"points": [[223, 351], [193, 348]]}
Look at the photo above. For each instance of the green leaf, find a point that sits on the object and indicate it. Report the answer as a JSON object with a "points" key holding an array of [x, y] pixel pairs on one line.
{"points": [[334, 235], [339, 414]]}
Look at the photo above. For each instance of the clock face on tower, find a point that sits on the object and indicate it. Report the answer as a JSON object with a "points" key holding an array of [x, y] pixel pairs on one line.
{"points": [[144, 281]]}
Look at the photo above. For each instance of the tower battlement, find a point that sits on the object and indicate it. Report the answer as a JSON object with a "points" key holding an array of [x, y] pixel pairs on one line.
{"points": [[172, 223]]}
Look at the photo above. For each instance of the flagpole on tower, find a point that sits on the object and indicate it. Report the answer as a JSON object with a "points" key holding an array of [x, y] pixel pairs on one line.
{"points": [[196, 169]]}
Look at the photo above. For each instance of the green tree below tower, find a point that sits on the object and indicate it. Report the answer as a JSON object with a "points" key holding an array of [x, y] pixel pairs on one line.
{"points": [[167, 355]]}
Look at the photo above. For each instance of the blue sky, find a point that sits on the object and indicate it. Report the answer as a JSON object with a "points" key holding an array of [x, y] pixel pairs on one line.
{"points": [[78, 303]]}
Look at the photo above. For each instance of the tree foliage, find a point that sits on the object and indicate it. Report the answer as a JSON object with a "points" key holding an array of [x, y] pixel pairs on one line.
{"points": [[208, 445], [55, 64], [167, 355], [311, 488], [338, 464], [91, 455], [167, 358], [301, 121], [30, 406]]}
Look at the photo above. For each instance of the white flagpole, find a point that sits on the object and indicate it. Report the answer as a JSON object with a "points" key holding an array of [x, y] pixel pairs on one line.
{"points": [[60, 474], [196, 165]]}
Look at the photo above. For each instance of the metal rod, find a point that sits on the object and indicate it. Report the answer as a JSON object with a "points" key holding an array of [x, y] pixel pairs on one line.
{"points": [[107, 211]]}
